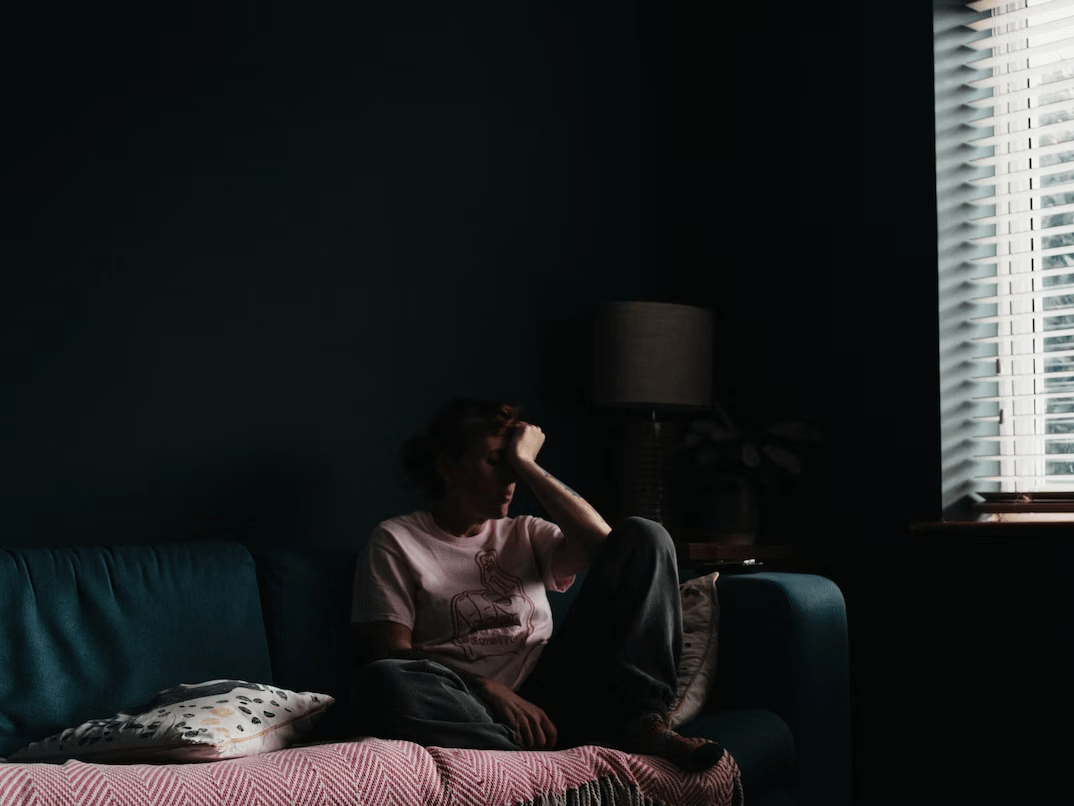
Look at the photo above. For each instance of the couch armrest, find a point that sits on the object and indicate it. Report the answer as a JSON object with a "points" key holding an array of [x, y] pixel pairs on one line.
{"points": [[783, 646]]}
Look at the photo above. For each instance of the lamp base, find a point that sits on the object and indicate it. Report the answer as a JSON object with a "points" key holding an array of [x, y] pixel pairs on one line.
{"points": [[648, 449]]}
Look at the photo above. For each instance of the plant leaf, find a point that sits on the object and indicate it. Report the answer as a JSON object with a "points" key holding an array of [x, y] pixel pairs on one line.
{"points": [[784, 458]]}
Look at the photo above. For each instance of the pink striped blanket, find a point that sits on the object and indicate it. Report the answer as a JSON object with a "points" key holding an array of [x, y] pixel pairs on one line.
{"points": [[377, 772]]}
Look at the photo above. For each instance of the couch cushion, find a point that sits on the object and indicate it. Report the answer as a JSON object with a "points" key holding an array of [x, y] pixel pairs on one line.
{"points": [[759, 740], [89, 632], [306, 600]]}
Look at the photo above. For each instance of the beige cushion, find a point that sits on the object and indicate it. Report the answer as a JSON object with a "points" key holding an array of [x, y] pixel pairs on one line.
{"points": [[697, 665]]}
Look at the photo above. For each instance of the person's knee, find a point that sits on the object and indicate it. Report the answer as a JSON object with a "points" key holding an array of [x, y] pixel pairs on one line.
{"points": [[389, 694], [381, 683], [645, 536], [424, 702], [394, 678], [383, 673]]}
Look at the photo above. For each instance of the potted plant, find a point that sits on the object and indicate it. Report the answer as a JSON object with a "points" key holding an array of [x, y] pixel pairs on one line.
{"points": [[728, 474]]}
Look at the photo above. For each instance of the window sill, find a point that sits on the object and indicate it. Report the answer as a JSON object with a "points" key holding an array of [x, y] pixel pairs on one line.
{"points": [[1006, 512], [1058, 531], [1028, 517]]}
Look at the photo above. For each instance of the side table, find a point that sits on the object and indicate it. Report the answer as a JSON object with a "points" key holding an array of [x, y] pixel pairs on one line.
{"points": [[734, 558]]}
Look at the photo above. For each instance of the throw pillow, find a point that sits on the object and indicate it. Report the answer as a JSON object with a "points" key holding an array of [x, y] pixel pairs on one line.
{"points": [[190, 722], [700, 638]]}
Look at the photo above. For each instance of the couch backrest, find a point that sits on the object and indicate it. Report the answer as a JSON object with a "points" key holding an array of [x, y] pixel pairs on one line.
{"points": [[306, 601], [88, 632]]}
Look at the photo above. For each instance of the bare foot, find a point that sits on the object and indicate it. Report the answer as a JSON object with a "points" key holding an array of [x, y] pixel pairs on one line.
{"points": [[650, 735]]}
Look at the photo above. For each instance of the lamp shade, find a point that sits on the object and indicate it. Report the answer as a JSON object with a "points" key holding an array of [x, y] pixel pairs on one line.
{"points": [[653, 354]]}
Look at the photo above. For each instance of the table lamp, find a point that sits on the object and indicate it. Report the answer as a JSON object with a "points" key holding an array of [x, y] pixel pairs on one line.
{"points": [[652, 358]]}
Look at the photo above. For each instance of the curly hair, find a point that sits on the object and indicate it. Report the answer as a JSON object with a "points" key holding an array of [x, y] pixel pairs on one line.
{"points": [[453, 429]]}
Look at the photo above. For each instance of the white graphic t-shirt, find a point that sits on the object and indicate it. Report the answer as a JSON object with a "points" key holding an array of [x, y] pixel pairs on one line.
{"points": [[476, 602]]}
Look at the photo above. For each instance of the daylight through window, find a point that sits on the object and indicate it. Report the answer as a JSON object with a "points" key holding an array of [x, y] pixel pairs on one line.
{"points": [[1025, 139]]}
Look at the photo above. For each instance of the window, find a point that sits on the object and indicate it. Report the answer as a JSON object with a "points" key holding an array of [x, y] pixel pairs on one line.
{"points": [[1005, 206]]}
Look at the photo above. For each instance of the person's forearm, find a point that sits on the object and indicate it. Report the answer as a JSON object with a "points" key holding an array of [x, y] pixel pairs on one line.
{"points": [[574, 515]]}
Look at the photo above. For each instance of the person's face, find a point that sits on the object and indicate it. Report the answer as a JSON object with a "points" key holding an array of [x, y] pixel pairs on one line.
{"points": [[482, 480]]}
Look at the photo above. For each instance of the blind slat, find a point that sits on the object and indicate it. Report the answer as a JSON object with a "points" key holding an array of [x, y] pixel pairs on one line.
{"points": [[1054, 250], [1051, 334], [1055, 437], [1063, 291], [1022, 96], [987, 5], [1039, 274], [1021, 16], [1013, 237], [1025, 215], [1065, 49], [1019, 156], [1017, 36], [1034, 396], [1015, 80], [1055, 480], [1022, 357], [1023, 135], [1025, 119], [1027, 174], [1019, 419], [1033, 318]]}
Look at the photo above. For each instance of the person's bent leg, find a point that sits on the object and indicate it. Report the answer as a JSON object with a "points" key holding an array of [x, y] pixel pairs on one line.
{"points": [[621, 641], [424, 702], [611, 674]]}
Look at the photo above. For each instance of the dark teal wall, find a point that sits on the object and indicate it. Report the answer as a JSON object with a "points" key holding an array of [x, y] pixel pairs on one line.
{"points": [[247, 251], [246, 256]]}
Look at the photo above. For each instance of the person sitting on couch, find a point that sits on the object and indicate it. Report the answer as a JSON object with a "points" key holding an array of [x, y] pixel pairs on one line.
{"points": [[452, 603]]}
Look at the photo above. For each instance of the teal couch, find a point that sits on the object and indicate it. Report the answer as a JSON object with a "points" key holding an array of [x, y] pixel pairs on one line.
{"points": [[89, 632]]}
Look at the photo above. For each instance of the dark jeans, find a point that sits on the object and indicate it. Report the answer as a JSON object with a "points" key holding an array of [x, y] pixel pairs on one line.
{"points": [[615, 656]]}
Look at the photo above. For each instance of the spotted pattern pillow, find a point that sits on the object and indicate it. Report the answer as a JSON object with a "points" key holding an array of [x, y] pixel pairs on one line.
{"points": [[700, 639], [190, 722]]}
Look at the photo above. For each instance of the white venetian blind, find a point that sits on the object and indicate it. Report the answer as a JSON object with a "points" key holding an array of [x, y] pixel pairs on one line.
{"points": [[1027, 139]]}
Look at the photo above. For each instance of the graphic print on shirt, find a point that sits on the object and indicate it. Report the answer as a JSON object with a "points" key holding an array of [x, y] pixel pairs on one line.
{"points": [[495, 619]]}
